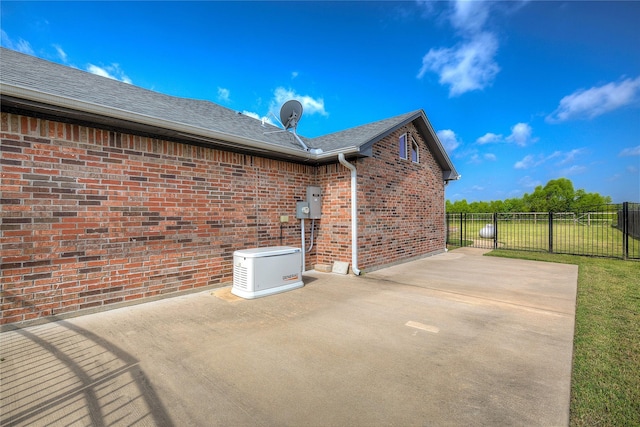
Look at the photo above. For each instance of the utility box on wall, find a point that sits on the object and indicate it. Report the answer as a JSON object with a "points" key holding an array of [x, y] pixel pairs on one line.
{"points": [[314, 198]]}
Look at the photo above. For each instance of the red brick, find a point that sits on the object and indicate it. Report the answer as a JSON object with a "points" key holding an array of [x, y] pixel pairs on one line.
{"points": [[168, 216]]}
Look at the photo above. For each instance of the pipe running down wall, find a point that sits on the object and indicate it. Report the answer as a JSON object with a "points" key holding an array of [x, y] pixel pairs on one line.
{"points": [[354, 213]]}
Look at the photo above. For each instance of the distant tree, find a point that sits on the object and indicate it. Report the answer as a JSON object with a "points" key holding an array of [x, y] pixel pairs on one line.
{"points": [[584, 201], [480, 207], [459, 206], [497, 206], [558, 195], [536, 201], [514, 205]]}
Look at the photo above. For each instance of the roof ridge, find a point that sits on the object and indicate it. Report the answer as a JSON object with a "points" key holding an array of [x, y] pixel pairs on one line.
{"points": [[404, 116]]}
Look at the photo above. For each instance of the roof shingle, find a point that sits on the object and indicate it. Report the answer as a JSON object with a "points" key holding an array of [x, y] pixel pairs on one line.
{"points": [[62, 89]]}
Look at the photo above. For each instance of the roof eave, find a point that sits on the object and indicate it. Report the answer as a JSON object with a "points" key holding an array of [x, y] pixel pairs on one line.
{"points": [[30, 99]]}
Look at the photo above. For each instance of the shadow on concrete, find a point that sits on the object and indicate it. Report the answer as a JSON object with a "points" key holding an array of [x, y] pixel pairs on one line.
{"points": [[60, 374]]}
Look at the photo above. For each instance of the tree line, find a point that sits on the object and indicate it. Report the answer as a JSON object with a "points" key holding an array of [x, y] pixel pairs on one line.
{"points": [[558, 195]]}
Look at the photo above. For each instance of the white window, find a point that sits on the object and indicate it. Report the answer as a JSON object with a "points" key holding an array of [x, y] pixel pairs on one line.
{"points": [[402, 145], [415, 157]]}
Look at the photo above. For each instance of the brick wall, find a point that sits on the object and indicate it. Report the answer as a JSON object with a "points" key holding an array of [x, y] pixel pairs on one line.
{"points": [[92, 218], [401, 203], [334, 237], [400, 206]]}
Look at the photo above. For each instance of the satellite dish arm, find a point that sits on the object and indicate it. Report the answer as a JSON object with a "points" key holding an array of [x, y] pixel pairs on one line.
{"points": [[300, 141], [277, 119]]}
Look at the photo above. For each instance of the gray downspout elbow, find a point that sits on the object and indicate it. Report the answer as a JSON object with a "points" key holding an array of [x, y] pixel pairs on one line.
{"points": [[354, 213]]}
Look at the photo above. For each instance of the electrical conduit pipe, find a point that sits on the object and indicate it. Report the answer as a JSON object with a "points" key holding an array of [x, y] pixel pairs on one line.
{"points": [[354, 213]]}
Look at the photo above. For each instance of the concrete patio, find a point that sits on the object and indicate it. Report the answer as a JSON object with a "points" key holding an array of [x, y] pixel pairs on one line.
{"points": [[454, 339]]}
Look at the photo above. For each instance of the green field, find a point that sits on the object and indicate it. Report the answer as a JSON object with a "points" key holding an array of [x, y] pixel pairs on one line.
{"points": [[605, 381], [582, 236]]}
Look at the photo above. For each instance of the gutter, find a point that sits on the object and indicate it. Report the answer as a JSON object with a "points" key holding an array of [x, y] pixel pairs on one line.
{"points": [[331, 154], [354, 213]]}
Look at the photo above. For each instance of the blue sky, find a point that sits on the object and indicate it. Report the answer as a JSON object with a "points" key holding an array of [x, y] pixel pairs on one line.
{"points": [[519, 92]]}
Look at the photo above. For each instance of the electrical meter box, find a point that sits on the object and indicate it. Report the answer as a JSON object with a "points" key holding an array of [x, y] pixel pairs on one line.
{"points": [[302, 210], [314, 198]]}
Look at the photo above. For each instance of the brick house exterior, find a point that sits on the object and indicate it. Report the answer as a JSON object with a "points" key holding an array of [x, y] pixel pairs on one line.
{"points": [[101, 209]]}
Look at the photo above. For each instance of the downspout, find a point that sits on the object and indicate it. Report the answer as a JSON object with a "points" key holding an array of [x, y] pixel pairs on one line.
{"points": [[446, 232], [446, 229], [354, 213]]}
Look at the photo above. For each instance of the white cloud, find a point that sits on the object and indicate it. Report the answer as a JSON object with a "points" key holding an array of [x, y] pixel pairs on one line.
{"points": [[21, 45], [310, 105], [475, 159], [489, 138], [614, 177], [469, 16], [527, 162], [468, 66], [112, 71], [595, 101], [427, 7], [258, 117], [223, 94], [61, 53], [530, 161], [630, 151], [448, 139], [521, 134], [573, 170], [294, 74], [570, 156], [529, 182]]}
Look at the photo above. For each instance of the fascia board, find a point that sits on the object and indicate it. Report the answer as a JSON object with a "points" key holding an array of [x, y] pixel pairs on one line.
{"points": [[449, 171]]}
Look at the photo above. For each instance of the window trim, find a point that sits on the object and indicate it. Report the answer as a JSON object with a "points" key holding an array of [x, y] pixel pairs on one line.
{"points": [[414, 148], [403, 143]]}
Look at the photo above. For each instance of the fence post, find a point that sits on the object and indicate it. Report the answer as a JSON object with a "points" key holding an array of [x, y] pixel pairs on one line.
{"points": [[550, 232], [495, 230], [625, 230], [461, 222]]}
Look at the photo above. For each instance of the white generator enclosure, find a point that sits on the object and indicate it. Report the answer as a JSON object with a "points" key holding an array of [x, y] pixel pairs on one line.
{"points": [[260, 272]]}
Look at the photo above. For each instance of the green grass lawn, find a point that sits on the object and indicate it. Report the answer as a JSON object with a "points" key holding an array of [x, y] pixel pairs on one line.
{"points": [[598, 238], [605, 381]]}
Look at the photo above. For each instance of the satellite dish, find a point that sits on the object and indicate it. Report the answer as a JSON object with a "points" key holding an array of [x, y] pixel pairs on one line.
{"points": [[290, 113]]}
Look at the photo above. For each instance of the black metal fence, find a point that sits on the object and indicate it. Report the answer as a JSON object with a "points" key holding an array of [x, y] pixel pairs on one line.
{"points": [[611, 231]]}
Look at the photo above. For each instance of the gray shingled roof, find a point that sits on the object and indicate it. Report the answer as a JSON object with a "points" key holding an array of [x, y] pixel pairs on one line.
{"points": [[55, 79], [27, 82], [361, 135]]}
